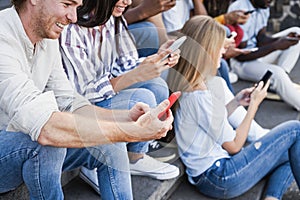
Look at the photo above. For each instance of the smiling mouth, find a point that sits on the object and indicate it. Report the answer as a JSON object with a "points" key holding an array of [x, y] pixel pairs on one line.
{"points": [[60, 25], [121, 7]]}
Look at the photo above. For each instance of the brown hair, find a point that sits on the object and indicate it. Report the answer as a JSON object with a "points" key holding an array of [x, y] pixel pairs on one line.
{"points": [[95, 12], [17, 3]]}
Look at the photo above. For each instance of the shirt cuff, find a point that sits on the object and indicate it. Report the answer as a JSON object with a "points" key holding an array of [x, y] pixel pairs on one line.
{"points": [[31, 117]]}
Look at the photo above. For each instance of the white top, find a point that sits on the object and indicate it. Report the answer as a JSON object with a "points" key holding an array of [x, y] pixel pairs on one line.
{"points": [[257, 20], [201, 127], [33, 84], [175, 18]]}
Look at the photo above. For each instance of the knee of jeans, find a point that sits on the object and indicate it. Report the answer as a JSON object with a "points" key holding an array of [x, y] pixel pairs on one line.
{"points": [[57, 154], [159, 88], [110, 154], [146, 35], [143, 95]]}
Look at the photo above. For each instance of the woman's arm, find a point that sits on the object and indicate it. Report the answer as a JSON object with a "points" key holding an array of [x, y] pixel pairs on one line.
{"points": [[258, 94]]}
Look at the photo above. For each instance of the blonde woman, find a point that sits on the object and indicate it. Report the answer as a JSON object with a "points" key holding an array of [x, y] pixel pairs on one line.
{"points": [[211, 149]]}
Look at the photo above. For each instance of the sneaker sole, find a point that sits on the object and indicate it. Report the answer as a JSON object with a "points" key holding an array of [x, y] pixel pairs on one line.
{"points": [[157, 176], [88, 181]]}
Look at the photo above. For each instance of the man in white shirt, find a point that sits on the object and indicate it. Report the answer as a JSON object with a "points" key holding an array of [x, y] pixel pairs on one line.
{"points": [[278, 53], [45, 126]]}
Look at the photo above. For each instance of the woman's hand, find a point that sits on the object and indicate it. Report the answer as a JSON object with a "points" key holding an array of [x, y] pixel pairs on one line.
{"points": [[259, 93], [243, 97]]}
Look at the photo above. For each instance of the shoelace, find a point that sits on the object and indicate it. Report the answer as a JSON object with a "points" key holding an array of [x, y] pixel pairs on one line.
{"points": [[154, 145]]}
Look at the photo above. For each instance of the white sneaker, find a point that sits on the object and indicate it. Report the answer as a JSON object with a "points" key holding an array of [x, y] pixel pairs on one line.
{"points": [[90, 177], [151, 167], [233, 78], [160, 152]]}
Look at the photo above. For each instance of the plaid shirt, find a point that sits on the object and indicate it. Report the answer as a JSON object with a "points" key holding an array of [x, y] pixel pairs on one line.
{"points": [[91, 58]]}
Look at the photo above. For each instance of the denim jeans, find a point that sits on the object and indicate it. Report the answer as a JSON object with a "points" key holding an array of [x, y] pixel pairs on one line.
{"points": [[276, 155], [151, 92], [223, 71], [40, 167], [146, 37]]}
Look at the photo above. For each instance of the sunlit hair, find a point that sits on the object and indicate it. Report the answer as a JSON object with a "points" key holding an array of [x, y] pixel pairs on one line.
{"points": [[200, 54], [95, 12]]}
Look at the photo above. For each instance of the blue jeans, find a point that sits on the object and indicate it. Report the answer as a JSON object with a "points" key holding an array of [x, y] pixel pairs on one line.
{"points": [[40, 167], [151, 92], [146, 38], [223, 71], [277, 155]]}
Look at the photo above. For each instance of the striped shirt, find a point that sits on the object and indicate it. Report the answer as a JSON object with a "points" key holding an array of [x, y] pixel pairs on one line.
{"points": [[91, 58]]}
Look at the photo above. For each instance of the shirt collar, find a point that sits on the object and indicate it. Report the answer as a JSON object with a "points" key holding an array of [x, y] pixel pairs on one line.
{"points": [[21, 31]]}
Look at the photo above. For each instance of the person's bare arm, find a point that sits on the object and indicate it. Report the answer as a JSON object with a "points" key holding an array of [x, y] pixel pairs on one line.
{"points": [[92, 125], [160, 26], [143, 9], [199, 8], [150, 68], [266, 45], [242, 130]]}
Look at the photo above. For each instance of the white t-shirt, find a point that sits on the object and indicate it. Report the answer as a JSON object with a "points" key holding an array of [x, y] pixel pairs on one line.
{"points": [[202, 126], [257, 20], [175, 18]]}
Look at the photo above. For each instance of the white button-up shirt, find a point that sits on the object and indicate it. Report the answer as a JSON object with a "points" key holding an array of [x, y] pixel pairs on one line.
{"points": [[33, 84]]}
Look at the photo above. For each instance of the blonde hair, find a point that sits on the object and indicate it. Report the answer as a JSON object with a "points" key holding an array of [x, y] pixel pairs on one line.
{"points": [[200, 54]]}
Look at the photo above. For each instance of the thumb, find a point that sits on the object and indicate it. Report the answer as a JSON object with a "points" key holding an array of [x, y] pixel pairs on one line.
{"points": [[161, 107]]}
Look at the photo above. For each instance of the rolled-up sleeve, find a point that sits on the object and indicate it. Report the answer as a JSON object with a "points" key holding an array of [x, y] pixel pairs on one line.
{"points": [[31, 90]]}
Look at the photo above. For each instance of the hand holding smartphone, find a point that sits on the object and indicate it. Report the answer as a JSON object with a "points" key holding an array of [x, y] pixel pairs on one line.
{"points": [[172, 99], [265, 78], [248, 12], [176, 44]]}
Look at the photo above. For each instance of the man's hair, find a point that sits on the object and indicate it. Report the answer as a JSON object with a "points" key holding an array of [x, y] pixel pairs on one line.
{"points": [[17, 3], [94, 12]]}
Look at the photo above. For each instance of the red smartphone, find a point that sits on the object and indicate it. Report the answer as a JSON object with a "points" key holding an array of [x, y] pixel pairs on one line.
{"points": [[172, 99]]}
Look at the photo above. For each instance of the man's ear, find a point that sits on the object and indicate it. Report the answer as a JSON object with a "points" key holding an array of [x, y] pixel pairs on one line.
{"points": [[33, 2]]}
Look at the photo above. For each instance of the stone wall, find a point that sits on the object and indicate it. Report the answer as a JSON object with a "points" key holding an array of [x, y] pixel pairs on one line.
{"points": [[284, 14]]}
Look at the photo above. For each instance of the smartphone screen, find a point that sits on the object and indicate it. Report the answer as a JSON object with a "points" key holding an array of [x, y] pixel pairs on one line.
{"points": [[176, 44], [249, 12], [266, 77]]}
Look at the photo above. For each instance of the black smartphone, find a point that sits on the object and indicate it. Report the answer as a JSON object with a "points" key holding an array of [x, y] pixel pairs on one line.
{"points": [[266, 77], [249, 12]]}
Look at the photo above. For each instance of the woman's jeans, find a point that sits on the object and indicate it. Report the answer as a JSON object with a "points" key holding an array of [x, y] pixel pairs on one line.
{"points": [[40, 167], [151, 92], [277, 155]]}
